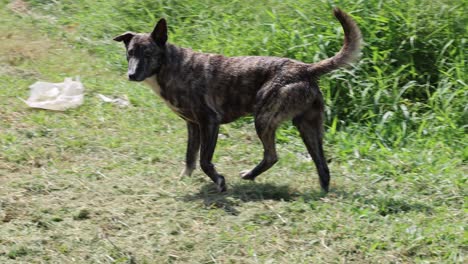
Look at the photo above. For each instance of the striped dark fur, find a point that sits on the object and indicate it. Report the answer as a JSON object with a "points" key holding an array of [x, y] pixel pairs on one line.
{"points": [[207, 90]]}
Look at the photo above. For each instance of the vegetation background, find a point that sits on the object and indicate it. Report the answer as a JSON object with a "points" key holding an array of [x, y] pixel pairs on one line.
{"points": [[100, 184]]}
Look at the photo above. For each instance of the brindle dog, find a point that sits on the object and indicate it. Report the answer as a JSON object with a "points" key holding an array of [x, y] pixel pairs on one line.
{"points": [[207, 90]]}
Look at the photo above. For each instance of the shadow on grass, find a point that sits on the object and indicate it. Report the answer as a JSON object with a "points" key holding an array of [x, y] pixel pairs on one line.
{"points": [[248, 192], [257, 192]]}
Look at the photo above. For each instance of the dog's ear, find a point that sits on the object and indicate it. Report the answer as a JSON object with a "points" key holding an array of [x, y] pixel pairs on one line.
{"points": [[125, 37], [159, 34]]}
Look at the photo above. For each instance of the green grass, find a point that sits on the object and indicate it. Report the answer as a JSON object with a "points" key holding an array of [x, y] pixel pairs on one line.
{"points": [[100, 184]]}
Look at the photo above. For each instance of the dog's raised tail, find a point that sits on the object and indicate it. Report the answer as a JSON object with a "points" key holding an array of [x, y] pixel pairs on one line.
{"points": [[351, 49]]}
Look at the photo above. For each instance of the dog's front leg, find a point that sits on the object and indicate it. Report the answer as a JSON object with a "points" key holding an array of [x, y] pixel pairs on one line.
{"points": [[208, 136], [193, 148]]}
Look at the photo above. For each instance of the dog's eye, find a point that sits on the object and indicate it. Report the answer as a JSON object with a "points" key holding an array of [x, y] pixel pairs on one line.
{"points": [[131, 52]]}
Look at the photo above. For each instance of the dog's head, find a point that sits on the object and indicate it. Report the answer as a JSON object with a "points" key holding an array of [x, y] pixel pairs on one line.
{"points": [[145, 52]]}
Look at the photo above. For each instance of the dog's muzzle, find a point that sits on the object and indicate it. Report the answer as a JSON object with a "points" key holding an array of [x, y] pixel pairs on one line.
{"points": [[134, 77], [134, 74]]}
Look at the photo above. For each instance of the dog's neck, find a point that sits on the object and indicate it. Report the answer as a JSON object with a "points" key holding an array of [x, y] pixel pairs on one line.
{"points": [[174, 59], [175, 55], [152, 82], [171, 52]]}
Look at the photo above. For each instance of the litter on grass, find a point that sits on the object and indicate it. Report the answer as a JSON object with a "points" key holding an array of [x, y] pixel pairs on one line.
{"points": [[56, 96], [121, 102]]}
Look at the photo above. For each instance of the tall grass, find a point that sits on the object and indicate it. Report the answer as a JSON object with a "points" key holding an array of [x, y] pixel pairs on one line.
{"points": [[410, 84]]}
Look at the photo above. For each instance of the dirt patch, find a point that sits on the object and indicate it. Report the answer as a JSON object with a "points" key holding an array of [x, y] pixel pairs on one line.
{"points": [[18, 47]]}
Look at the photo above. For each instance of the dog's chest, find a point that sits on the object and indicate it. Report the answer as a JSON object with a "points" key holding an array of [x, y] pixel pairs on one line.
{"points": [[153, 83]]}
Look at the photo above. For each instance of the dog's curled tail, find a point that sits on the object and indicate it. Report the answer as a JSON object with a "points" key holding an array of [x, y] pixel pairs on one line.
{"points": [[351, 48]]}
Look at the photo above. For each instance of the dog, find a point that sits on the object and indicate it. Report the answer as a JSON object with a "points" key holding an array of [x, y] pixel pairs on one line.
{"points": [[207, 90]]}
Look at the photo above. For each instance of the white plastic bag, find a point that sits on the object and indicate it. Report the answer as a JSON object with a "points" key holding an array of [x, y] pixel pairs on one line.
{"points": [[56, 96]]}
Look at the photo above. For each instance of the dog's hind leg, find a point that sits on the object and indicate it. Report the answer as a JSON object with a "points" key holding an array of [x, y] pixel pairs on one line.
{"points": [[193, 148], [268, 116], [309, 125], [266, 132], [208, 137], [275, 105]]}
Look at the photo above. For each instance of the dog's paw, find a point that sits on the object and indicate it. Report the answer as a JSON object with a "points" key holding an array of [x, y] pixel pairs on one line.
{"points": [[221, 184], [186, 172], [246, 175]]}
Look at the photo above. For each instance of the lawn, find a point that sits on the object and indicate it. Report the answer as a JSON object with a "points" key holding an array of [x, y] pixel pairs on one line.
{"points": [[100, 183]]}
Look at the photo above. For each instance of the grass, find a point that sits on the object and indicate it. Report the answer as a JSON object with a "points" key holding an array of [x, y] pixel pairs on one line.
{"points": [[100, 184]]}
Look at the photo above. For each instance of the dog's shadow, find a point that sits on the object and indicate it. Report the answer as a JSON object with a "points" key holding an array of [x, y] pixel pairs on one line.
{"points": [[248, 192], [257, 192]]}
